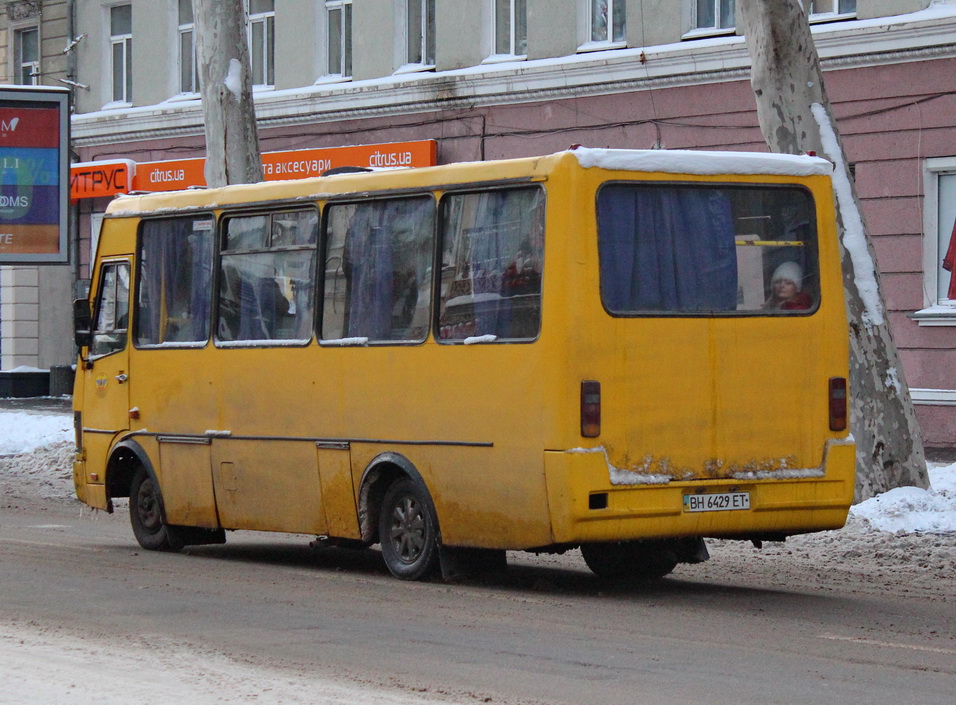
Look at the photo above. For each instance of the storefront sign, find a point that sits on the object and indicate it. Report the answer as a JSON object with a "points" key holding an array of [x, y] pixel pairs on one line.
{"points": [[173, 175], [296, 164], [34, 141], [99, 179]]}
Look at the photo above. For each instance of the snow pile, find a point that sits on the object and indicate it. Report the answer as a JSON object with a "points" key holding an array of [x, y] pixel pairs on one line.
{"points": [[22, 431], [909, 510], [36, 456], [45, 473]]}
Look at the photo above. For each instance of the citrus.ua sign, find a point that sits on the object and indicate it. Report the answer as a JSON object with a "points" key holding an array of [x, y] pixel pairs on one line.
{"points": [[293, 164]]}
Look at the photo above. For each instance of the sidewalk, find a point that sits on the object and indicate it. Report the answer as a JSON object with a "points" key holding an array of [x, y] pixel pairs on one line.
{"points": [[38, 405]]}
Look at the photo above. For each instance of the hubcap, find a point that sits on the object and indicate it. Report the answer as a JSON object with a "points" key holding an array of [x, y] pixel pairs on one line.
{"points": [[148, 507], [408, 529]]}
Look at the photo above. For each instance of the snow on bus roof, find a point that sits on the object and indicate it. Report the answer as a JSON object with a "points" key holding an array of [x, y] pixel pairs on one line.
{"points": [[678, 161]]}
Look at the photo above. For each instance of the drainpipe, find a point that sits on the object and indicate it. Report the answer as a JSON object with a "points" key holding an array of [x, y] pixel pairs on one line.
{"points": [[74, 220]]}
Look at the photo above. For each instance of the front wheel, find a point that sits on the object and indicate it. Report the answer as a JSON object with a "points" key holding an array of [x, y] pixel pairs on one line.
{"points": [[147, 516], [408, 530]]}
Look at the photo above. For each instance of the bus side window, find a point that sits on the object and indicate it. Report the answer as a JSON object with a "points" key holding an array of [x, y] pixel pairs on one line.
{"points": [[175, 268], [492, 256], [267, 277], [378, 261], [112, 310]]}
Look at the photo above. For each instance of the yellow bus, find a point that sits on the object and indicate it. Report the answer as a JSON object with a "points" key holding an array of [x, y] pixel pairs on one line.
{"points": [[622, 351]]}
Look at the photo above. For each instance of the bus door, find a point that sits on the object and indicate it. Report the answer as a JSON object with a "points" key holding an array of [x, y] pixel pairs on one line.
{"points": [[265, 469], [106, 372]]}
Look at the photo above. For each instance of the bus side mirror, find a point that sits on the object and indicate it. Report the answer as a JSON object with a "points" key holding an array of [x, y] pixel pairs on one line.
{"points": [[82, 323]]}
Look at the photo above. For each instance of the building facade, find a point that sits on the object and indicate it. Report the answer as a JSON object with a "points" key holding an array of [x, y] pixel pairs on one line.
{"points": [[488, 79]]}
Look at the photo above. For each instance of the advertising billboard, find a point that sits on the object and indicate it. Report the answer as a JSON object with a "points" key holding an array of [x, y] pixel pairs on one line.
{"points": [[34, 175]]}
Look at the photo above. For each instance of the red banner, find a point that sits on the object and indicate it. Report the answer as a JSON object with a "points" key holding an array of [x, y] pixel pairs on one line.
{"points": [[30, 127]]}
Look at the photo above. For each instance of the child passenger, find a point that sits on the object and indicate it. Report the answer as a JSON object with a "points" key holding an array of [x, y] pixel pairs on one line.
{"points": [[786, 289]]}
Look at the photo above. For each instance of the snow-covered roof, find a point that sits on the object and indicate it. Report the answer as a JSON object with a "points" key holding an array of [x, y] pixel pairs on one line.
{"points": [[676, 161]]}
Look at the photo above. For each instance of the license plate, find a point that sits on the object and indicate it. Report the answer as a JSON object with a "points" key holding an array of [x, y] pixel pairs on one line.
{"points": [[720, 502]]}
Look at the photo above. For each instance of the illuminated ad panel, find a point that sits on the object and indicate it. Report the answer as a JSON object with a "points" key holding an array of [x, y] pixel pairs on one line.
{"points": [[34, 169]]}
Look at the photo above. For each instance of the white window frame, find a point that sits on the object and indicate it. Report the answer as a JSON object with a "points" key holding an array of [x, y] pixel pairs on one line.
{"points": [[427, 42], [125, 42], [344, 69], [939, 212], [608, 40], [839, 11], [266, 61], [19, 63], [187, 29], [697, 30], [512, 29]]}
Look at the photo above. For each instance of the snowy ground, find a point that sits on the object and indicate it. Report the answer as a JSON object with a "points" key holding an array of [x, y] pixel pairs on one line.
{"points": [[902, 532]]}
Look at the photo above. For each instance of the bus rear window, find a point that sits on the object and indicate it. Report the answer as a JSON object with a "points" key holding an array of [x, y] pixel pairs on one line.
{"points": [[700, 249]]}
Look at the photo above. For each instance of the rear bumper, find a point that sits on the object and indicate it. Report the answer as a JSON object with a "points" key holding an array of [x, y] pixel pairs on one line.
{"points": [[778, 506]]}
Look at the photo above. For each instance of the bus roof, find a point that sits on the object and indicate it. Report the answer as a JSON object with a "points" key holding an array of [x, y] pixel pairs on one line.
{"points": [[676, 161], [665, 161]]}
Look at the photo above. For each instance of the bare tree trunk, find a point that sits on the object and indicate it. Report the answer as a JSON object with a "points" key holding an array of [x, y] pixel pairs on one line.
{"points": [[232, 142], [795, 117]]}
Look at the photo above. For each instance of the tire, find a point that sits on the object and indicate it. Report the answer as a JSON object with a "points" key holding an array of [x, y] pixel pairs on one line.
{"points": [[638, 561], [408, 530], [147, 516]]}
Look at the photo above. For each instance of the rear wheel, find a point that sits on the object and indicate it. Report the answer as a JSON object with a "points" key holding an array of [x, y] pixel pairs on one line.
{"points": [[408, 530], [147, 516], [640, 561]]}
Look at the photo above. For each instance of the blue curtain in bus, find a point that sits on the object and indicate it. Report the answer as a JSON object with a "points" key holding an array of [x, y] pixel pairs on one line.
{"points": [[175, 276], [195, 280], [667, 249], [369, 254]]}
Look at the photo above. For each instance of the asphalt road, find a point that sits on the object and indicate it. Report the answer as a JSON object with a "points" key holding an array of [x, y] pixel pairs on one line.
{"points": [[547, 632]]}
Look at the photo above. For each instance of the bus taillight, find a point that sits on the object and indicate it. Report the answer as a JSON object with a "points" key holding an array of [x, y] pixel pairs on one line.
{"points": [[838, 403], [590, 408]]}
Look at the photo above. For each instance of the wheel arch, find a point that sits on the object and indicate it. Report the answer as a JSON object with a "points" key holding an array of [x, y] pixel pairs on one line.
{"points": [[383, 470], [125, 457]]}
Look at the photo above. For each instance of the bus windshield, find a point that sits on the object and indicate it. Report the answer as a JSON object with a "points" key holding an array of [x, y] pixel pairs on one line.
{"points": [[700, 249]]}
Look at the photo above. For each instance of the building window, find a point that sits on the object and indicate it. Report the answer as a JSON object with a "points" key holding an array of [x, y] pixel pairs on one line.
{"points": [[420, 32], [339, 24], [939, 246], [121, 51], [824, 8], [188, 66], [714, 14], [27, 56], [607, 18], [511, 27], [262, 41]]}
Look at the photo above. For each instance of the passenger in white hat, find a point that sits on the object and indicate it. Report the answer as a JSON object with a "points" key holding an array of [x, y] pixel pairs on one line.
{"points": [[786, 289]]}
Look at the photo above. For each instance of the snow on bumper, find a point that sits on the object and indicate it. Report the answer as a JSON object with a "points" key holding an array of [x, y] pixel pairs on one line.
{"points": [[590, 500]]}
